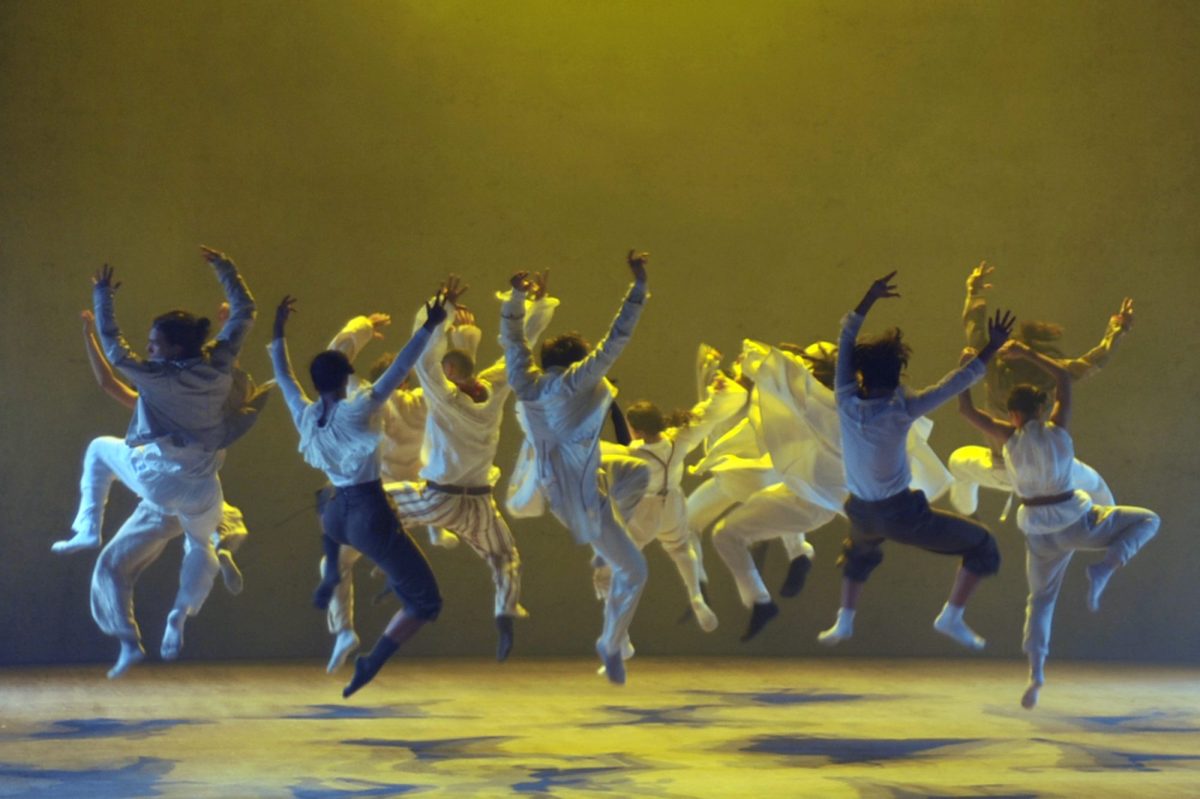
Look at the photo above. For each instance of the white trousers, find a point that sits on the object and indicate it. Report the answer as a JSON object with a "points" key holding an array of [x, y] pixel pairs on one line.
{"points": [[715, 497], [617, 549], [340, 616], [773, 512], [664, 517], [975, 466], [170, 489], [1118, 530]]}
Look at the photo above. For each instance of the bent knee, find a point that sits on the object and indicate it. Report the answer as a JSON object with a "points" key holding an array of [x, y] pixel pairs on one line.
{"points": [[984, 559]]}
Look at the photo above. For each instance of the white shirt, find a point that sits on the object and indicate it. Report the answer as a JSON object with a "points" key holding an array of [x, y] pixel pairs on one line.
{"points": [[402, 416], [875, 431], [184, 399], [346, 446]]}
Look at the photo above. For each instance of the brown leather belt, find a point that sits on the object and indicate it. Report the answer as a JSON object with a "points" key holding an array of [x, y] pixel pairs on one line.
{"points": [[1052, 500], [471, 491]]}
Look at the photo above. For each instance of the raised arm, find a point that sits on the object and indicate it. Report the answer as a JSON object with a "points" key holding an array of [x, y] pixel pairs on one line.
{"points": [[1061, 412], [406, 359], [102, 370], [707, 414], [356, 334], [923, 402], [293, 395], [597, 363], [1098, 357], [464, 334], [539, 310], [241, 308], [997, 430], [518, 358], [845, 381], [975, 316], [429, 365]]}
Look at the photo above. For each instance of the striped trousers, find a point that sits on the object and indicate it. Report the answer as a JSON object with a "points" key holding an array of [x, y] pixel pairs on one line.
{"points": [[475, 519]]}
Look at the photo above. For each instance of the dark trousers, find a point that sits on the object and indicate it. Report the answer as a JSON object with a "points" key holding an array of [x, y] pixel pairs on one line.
{"points": [[362, 516], [906, 518]]}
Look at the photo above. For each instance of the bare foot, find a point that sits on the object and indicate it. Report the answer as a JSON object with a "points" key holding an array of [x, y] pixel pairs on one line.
{"points": [[131, 655]]}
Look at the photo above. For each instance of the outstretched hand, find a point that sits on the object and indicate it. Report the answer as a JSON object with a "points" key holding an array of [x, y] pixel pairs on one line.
{"points": [[463, 316], [435, 311], [286, 307], [1123, 319], [1000, 327], [214, 257], [881, 289], [453, 288], [977, 280], [541, 284], [103, 278], [521, 281], [378, 322], [637, 264]]}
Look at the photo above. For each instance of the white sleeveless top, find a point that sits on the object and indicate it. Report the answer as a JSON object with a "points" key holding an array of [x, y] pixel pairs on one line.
{"points": [[1039, 458]]}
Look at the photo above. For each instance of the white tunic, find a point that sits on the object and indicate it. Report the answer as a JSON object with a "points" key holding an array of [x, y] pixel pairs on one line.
{"points": [[346, 446], [565, 410], [1040, 458]]}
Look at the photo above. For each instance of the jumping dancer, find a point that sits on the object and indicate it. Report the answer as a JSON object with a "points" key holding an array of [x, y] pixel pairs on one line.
{"points": [[169, 458], [340, 434], [1057, 518], [461, 435], [566, 403], [975, 466], [876, 412]]}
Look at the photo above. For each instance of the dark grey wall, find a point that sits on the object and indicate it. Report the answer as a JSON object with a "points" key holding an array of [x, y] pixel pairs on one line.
{"points": [[774, 156]]}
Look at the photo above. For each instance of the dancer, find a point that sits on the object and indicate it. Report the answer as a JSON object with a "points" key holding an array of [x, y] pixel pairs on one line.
{"points": [[875, 413], [170, 456], [245, 402], [664, 444], [741, 469], [976, 466], [1057, 518], [340, 434], [461, 435], [565, 404], [403, 424]]}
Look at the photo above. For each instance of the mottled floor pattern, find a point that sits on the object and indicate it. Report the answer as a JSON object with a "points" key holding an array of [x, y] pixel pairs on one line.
{"points": [[680, 728]]}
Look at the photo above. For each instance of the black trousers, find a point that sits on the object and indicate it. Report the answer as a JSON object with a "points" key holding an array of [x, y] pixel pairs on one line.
{"points": [[906, 518], [362, 516]]}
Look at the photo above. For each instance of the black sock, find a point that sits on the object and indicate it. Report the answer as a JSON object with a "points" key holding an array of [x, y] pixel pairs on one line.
{"points": [[367, 666]]}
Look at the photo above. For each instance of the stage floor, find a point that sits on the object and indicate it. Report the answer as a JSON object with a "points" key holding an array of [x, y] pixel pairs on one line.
{"points": [[681, 728]]}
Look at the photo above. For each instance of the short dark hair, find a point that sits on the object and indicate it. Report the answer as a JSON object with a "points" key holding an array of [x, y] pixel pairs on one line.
{"points": [[461, 360], [183, 329], [564, 350], [1027, 400], [645, 417], [329, 370], [881, 360]]}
